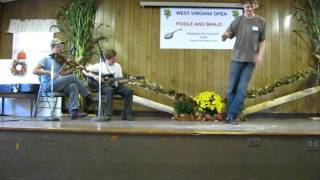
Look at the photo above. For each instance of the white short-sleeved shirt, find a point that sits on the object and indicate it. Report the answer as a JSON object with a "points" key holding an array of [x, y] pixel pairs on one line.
{"points": [[115, 69]]}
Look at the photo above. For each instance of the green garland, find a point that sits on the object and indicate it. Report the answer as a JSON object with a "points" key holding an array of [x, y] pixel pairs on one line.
{"points": [[308, 15], [173, 94], [152, 86], [280, 82]]}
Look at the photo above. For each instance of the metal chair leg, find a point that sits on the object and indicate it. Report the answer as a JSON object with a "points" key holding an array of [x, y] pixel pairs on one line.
{"points": [[55, 100], [37, 104]]}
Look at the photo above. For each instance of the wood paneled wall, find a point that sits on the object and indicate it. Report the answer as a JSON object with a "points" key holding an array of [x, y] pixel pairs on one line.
{"points": [[24, 9], [134, 32]]}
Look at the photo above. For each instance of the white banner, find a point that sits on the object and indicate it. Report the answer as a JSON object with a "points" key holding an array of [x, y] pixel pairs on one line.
{"points": [[196, 28]]}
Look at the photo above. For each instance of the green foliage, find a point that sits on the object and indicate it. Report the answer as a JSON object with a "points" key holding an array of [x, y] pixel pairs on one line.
{"points": [[186, 106], [167, 13], [253, 93], [77, 23], [235, 14], [307, 12], [152, 86]]}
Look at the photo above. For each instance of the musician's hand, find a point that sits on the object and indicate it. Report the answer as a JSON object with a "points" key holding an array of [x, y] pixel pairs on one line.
{"points": [[81, 67], [258, 59], [55, 75], [225, 36], [96, 77]]}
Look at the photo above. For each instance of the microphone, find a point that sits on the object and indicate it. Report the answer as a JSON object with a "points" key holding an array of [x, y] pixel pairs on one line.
{"points": [[99, 39]]}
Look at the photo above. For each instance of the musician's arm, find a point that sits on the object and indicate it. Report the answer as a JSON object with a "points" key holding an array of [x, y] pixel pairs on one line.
{"points": [[66, 71], [90, 74], [39, 71]]}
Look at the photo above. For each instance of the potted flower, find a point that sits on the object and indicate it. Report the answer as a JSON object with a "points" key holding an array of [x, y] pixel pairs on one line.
{"points": [[210, 104], [184, 109]]}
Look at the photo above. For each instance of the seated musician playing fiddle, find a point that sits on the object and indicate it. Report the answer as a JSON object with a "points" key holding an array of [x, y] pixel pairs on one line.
{"points": [[113, 87], [63, 79]]}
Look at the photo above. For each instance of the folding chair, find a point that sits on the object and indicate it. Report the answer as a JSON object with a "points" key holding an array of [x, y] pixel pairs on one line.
{"points": [[46, 99]]}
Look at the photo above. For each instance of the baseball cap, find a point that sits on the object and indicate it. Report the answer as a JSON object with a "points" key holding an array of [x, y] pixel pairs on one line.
{"points": [[56, 41]]}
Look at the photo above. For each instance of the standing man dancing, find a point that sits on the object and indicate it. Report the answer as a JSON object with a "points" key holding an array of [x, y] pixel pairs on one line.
{"points": [[250, 32]]}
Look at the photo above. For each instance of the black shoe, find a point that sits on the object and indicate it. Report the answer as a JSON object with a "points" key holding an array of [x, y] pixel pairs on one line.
{"points": [[127, 119], [76, 114], [101, 119], [107, 117], [234, 122], [229, 120]]}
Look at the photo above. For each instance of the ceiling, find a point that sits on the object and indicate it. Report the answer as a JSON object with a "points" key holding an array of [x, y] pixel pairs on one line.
{"points": [[4, 1]]}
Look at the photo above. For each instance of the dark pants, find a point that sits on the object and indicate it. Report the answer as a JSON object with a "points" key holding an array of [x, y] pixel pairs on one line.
{"points": [[123, 91]]}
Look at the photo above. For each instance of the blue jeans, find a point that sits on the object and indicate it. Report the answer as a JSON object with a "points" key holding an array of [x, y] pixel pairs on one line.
{"points": [[73, 86], [241, 73]]}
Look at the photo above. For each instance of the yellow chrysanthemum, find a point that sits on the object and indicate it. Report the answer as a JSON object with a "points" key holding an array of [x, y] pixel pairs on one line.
{"points": [[209, 102]]}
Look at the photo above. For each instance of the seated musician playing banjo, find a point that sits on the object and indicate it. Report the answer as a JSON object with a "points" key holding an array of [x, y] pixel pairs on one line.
{"points": [[63, 79], [113, 86]]}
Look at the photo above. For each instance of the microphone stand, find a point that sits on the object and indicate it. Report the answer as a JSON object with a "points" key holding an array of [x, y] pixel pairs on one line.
{"points": [[52, 116], [100, 117]]}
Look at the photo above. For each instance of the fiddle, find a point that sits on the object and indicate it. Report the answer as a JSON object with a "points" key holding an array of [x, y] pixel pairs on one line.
{"points": [[58, 58], [62, 60]]}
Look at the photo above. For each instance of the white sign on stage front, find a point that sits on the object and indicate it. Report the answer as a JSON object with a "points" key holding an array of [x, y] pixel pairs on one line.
{"points": [[196, 28]]}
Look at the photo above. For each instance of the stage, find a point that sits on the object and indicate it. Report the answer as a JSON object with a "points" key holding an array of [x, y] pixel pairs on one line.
{"points": [[166, 126], [155, 147]]}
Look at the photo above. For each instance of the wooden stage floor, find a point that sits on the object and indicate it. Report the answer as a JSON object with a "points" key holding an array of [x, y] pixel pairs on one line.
{"points": [[153, 147], [165, 126]]}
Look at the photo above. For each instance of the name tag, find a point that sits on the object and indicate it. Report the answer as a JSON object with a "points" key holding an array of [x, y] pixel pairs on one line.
{"points": [[255, 28]]}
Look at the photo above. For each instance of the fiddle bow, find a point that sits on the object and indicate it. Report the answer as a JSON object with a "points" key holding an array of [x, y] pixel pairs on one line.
{"points": [[62, 60]]}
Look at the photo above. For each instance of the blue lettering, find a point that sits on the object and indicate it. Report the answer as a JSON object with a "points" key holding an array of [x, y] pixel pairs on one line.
{"points": [[182, 12]]}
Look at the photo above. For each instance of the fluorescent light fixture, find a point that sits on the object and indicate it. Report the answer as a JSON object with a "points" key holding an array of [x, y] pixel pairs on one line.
{"points": [[187, 4], [5, 1]]}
